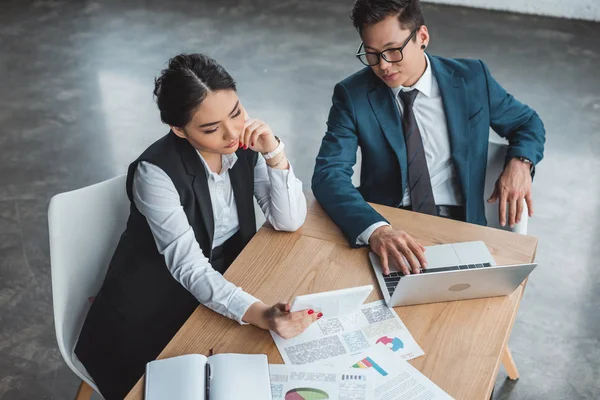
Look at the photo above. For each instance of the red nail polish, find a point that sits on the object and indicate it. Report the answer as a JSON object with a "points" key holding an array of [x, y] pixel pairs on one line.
{"points": [[245, 147], [311, 311], [241, 144], [319, 315], [252, 144]]}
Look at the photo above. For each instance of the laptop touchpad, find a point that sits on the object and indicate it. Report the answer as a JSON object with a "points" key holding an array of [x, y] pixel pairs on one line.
{"points": [[473, 253], [440, 256]]}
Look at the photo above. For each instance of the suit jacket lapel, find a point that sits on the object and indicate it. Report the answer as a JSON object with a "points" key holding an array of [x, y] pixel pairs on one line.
{"points": [[386, 111], [194, 167], [454, 97]]}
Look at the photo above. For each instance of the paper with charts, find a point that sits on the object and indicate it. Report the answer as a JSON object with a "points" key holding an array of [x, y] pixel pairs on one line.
{"points": [[330, 340], [300, 382], [393, 379]]}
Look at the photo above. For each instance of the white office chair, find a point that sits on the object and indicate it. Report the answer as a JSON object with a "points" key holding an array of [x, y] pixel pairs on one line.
{"points": [[85, 226], [495, 164], [260, 217]]}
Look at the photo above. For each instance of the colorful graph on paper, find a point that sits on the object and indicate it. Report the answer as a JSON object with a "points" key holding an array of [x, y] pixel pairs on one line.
{"points": [[354, 377], [393, 344], [369, 363], [306, 394]]}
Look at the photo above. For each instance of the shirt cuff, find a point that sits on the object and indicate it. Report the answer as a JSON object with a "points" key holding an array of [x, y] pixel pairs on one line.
{"points": [[281, 178], [363, 238], [240, 304]]}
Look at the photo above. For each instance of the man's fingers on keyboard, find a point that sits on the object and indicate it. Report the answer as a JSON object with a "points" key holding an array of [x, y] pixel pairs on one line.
{"points": [[399, 260], [418, 252], [414, 265], [384, 262]]}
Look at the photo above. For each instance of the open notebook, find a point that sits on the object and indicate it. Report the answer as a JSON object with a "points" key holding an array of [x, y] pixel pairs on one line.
{"points": [[218, 377]]}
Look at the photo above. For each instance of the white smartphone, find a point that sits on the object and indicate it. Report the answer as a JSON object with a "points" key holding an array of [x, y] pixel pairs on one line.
{"points": [[333, 303]]}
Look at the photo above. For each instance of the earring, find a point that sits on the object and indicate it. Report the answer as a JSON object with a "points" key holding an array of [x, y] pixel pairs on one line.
{"points": [[423, 47]]}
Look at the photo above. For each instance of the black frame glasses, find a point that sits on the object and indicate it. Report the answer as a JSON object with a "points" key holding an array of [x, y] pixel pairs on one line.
{"points": [[389, 55]]}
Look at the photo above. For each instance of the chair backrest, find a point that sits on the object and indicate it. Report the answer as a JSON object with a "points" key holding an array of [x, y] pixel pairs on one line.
{"points": [[495, 165], [85, 226], [259, 215]]}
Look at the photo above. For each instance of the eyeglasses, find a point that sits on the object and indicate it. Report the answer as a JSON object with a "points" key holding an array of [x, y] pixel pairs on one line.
{"points": [[394, 55]]}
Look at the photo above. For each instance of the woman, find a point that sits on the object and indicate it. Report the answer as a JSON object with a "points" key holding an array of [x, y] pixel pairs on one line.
{"points": [[192, 212]]}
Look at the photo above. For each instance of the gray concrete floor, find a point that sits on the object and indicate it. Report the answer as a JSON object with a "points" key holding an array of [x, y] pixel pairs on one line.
{"points": [[76, 107]]}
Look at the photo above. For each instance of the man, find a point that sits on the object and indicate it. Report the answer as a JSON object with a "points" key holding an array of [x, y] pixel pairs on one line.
{"points": [[422, 123]]}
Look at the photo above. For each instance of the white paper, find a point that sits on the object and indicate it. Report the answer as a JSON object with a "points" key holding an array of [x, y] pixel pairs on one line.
{"points": [[239, 376], [330, 340], [176, 378], [395, 379], [293, 382]]}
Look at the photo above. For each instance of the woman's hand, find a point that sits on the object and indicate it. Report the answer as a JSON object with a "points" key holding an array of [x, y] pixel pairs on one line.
{"points": [[279, 319], [257, 136]]}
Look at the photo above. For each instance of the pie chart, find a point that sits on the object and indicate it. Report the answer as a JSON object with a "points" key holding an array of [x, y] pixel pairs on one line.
{"points": [[394, 344], [306, 394]]}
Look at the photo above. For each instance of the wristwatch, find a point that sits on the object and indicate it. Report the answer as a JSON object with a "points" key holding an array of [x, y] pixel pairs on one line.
{"points": [[526, 161], [277, 150]]}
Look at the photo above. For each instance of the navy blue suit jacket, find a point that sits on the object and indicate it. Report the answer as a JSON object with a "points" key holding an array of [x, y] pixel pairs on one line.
{"points": [[365, 114]]}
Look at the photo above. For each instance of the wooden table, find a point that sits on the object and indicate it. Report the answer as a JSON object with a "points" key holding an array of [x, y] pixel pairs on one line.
{"points": [[464, 341]]}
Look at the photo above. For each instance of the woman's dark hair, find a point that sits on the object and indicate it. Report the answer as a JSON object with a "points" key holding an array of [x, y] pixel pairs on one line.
{"points": [[185, 83], [370, 12]]}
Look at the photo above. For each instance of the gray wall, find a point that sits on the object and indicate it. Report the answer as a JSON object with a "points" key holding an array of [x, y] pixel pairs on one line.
{"points": [[573, 9]]}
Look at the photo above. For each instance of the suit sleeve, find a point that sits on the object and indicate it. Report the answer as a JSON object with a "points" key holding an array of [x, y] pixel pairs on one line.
{"points": [[332, 178], [515, 121]]}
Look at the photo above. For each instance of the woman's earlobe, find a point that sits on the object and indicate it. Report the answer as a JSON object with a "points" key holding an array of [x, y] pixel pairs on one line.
{"points": [[178, 131]]}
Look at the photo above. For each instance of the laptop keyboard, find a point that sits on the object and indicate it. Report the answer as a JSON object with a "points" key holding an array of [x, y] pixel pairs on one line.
{"points": [[391, 280]]}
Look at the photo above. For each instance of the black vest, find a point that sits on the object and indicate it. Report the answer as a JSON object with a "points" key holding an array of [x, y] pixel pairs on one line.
{"points": [[141, 306]]}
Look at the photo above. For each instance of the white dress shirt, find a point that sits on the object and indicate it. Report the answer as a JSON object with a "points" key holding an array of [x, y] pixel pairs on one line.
{"points": [[431, 120], [278, 193]]}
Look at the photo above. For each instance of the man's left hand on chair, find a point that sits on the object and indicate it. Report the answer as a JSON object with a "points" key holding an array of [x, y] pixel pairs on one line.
{"points": [[513, 186]]}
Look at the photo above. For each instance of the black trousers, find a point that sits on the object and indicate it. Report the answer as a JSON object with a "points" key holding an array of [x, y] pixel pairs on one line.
{"points": [[456, 213]]}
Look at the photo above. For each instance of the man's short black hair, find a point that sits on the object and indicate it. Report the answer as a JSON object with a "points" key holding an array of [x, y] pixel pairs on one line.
{"points": [[370, 12]]}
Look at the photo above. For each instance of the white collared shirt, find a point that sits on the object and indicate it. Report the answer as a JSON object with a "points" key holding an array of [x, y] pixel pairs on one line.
{"points": [[222, 199], [431, 120], [278, 193]]}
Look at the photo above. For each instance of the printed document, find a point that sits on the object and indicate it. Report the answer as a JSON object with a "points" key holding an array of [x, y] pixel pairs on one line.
{"points": [[330, 340]]}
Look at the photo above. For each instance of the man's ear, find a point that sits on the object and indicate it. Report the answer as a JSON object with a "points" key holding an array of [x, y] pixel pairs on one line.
{"points": [[423, 36], [178, 131]]}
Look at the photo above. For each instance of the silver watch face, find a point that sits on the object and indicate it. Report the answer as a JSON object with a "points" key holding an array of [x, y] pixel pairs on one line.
{"points": [[527, 161]]}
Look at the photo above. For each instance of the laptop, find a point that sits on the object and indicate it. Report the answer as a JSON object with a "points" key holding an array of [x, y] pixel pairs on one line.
{"points": [[456, 271]]}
